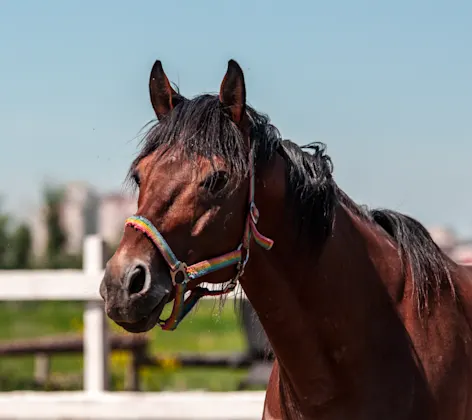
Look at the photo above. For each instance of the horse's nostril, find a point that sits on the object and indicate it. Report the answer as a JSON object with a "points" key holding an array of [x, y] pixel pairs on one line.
{"points": [[137, 280]]}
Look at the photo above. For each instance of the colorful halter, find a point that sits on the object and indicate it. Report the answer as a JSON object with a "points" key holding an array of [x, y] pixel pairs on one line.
{"points": [[183, 306]]}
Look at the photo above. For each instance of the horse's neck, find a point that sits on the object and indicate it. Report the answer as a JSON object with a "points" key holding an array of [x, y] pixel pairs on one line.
{"points": [[315, 309]]}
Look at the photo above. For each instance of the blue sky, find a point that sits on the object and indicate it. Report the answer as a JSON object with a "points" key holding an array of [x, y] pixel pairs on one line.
{"points": [[386, 85]]}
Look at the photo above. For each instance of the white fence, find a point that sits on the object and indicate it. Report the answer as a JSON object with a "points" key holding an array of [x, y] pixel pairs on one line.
{"points": [[126, 406], [71, 285], [95, 402]]}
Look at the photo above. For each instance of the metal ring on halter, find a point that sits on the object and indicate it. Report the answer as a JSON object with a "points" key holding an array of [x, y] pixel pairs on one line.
{"points": [[181, 268], [246, 258], [254, 212]]}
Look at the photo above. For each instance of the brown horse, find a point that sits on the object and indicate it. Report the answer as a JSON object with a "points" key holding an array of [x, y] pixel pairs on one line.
{"points": [[367, 317]]}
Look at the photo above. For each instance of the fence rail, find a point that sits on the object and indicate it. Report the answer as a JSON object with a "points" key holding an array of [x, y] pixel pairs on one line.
{"points": [[81, 285], [121, 405]]}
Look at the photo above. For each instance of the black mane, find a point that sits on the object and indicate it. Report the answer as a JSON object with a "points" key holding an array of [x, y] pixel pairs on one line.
{"points": [[311, 190], [202, 128], [429, 266]]}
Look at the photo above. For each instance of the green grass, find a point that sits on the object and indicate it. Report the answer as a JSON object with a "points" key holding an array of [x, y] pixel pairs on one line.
{"points": [[208, 328]]}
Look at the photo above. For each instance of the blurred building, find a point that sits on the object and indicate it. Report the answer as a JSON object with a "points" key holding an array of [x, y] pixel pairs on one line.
{"points": [[84, 212], [39, 233], [458, 250], [462, 253], [445, 238], [112, 213], [79, 214]]}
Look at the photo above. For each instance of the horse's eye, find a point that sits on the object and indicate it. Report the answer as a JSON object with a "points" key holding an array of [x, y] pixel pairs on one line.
{"points": [[215, 182], [136, 178]]}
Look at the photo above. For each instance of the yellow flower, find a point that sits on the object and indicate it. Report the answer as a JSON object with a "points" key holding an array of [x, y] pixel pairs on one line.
{"points": [[169, 363], [120, 358]]}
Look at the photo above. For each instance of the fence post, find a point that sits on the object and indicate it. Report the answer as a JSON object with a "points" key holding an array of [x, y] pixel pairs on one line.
{"points": [[95, 323]]}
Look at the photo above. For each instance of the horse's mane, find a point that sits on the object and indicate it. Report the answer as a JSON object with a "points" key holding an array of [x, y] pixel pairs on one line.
{"points": [[201, 128], [311, 190], [429, 265], [314, 194]]}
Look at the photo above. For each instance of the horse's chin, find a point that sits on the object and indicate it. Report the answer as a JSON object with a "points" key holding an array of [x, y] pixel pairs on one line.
{"points": [[146, 323]]}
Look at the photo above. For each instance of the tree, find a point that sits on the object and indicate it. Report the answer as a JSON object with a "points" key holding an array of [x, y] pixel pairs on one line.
{"points": [[4, 237], [56, 235], [20, 250], [4, 240]]}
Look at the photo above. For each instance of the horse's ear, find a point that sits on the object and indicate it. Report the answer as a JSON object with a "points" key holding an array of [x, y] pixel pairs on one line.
{"points": [[163, 97], [233, 92]]}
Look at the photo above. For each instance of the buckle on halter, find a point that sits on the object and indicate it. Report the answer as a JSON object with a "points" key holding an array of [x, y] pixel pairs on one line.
{"points": [[181, 268], [241, 264], [254, 212]]}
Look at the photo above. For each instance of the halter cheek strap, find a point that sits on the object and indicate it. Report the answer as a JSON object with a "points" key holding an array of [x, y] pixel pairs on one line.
{"points": [[237, 257]]}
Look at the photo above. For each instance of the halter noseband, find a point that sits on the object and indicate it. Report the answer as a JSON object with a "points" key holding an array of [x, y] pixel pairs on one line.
{"points": [[183, 306]]}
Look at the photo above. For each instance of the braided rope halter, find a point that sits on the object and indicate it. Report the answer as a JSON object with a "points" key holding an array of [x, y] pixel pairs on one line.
{"points": [[240, 257]]}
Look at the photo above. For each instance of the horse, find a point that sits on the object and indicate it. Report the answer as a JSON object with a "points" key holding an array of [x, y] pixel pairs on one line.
{"points": [[367, 317]]}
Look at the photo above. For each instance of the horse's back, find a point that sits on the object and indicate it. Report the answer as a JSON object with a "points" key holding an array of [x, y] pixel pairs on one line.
{"points": [[464, 295], [456, 356]]}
